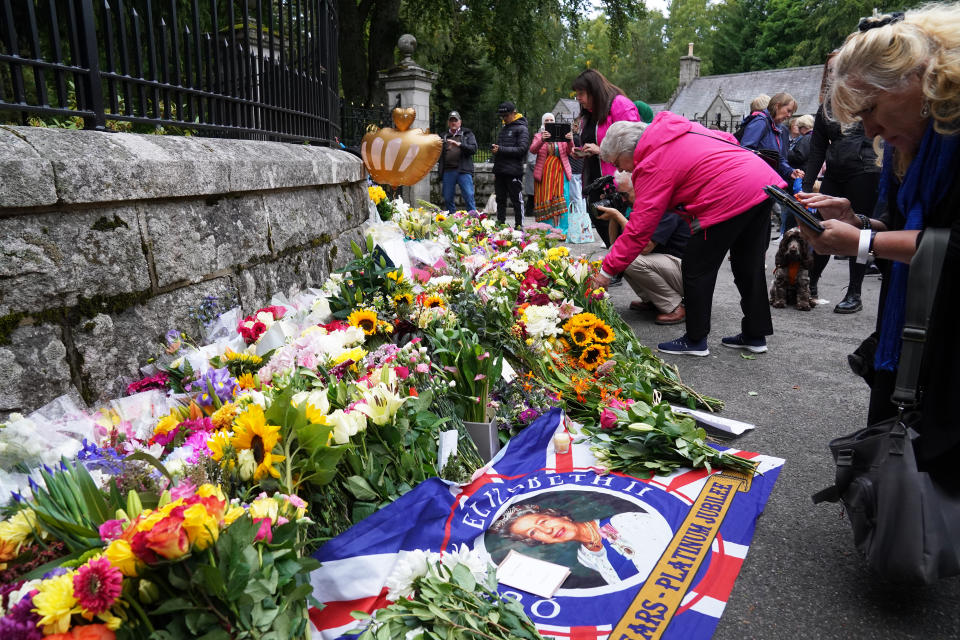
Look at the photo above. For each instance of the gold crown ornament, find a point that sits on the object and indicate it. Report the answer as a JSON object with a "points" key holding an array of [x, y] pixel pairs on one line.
{"points": [[400, 156]]}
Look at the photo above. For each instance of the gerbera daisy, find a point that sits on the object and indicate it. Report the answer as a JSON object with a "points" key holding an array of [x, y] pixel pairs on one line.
{"points": [[434, 301], [247, 381], [593, 356], [218, 443], [253, 433], [603, 333], [365, 319], [97, 585]]}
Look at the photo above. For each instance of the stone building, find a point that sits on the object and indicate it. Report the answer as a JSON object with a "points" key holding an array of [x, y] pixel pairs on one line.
{"points": [[721, 101]]}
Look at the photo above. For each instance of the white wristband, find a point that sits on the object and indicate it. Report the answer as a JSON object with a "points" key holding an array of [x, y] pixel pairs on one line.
{"points": [[863, 250], [605, 274]]}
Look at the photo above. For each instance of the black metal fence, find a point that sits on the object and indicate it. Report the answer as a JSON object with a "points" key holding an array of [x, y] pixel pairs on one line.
{"points": [[260, 69]]}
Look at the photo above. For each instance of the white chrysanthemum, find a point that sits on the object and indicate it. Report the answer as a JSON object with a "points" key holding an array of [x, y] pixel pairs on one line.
{"points": [[440, 282], [471, 558], [542, 321], [410, 566], [518, 267]]}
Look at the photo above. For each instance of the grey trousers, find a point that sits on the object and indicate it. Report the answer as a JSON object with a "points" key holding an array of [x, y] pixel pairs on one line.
{"points": [[656, 277]]}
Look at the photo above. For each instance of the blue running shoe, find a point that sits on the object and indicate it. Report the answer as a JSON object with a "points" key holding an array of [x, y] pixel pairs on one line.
{"points": [[740, 341], [685, 346]]}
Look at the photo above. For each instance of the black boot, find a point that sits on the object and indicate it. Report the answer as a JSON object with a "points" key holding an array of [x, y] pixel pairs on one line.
{"points": [[850, 304]]}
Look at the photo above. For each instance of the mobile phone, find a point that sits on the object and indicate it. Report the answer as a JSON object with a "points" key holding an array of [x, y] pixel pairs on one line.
{"points": [[809, 218]]}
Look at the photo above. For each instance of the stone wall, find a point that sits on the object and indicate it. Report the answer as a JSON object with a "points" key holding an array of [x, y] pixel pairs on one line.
{"points": [[108, 240], [482, 186]]}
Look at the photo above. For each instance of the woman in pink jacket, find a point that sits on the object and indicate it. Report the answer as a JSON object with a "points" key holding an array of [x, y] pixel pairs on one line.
{"points": [[601, 104], [551, 169], [717, 186]]}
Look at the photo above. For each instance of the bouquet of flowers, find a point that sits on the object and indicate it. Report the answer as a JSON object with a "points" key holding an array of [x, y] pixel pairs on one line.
{"points": [[453, 595]]}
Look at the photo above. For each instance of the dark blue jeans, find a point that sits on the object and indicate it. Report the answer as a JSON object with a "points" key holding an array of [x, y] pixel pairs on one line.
{"points": [[450, 181]]}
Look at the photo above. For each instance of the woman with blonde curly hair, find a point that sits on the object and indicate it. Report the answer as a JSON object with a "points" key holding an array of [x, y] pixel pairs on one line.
{"points": [[899, 75]]}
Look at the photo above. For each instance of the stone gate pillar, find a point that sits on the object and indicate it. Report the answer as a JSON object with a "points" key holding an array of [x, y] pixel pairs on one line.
{"points": [[412, 84]]}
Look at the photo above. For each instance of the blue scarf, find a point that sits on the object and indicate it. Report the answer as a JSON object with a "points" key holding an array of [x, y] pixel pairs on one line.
{"points": [[927, 179]]}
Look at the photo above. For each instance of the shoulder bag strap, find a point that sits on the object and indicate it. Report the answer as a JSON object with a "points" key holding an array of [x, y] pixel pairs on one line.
{"points": [[922, 282]]}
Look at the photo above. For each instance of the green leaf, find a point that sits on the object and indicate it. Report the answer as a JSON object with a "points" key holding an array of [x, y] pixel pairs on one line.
{"points": [[746, 357], [360, 488]]}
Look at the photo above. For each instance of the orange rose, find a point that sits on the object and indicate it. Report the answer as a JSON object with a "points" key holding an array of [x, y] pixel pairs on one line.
{"points": [[93, 632], [167, 539]]}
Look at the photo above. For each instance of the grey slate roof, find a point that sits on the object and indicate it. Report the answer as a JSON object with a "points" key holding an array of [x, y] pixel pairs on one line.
{"points": [[566, 109], [738, 89]]}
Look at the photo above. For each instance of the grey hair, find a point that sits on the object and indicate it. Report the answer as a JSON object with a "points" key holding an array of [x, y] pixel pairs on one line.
{"points": [[622, 137], [502, 526], [805, 121]]}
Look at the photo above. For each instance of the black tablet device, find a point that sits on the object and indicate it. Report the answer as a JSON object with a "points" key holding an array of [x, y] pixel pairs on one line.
{"points": [[558, 130], [803, 215]]}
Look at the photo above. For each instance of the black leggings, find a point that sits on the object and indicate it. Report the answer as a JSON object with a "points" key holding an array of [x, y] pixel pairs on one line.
{"points": [[743, 236], [861, 190]]}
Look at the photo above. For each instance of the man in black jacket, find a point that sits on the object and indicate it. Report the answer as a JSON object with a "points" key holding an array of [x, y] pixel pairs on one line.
{"points": [[456, 163], [508, 155]]}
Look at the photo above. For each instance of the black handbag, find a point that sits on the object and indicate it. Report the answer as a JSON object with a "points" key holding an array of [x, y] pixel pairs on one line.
{"points": [[904, 522]]}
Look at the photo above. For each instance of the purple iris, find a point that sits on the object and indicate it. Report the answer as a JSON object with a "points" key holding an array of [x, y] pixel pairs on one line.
{"points": [[103, 459], [219, 382]]}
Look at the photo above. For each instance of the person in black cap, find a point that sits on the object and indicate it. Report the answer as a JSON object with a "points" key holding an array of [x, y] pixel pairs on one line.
{"points": [[508, 156], [456, 163]]}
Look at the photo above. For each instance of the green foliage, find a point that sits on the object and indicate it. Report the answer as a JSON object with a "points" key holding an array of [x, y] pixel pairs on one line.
{"points": [[71, 507], [650, 440], [451, 604], [236, 589], [470, 365]]}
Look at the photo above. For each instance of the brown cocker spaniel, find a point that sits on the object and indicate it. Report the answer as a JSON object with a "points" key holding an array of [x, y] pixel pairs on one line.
{"points": [[791, 278]]}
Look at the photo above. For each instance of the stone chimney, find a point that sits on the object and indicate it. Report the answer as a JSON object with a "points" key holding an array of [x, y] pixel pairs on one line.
{"points": [[689, 67]]}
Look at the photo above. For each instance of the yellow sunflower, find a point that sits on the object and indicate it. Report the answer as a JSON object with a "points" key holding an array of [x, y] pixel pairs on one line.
{"points": [[253, 433], [403, 298], [593, 356], [434, 301], [581, 336], [365, 319], [602, 333]]}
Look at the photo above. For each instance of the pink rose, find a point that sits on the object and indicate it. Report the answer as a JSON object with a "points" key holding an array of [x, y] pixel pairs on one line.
{"points": [[402, 372], [111, 530], [264, 533], [608, 419]]}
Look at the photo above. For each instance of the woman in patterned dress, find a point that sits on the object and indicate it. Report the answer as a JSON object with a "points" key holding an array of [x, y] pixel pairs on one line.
{"points": [[549, 173]]}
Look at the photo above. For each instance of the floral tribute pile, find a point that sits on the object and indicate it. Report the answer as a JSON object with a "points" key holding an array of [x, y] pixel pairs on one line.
{"points": [[190, 507]]}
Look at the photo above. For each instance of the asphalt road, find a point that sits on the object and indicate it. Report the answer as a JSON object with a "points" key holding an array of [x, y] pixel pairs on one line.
{"points": [[802, 578]]}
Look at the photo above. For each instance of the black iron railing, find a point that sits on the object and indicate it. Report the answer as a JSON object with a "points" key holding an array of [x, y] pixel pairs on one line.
{"points": [[260, 69]]}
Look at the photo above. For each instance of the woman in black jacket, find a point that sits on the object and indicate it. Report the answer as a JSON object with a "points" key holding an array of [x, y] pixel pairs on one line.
{"points": [[853, 173]]}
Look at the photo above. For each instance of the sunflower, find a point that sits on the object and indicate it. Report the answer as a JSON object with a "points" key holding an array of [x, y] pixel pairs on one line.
{"points": [[434, 301], [581, 336], [593, 356], [603, 333], [440, 217], [253, 433], [365, 319], [240, 362], [402, 298]]}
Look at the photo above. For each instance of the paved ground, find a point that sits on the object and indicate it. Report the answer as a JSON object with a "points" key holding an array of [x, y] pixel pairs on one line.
{"points": [[802, 578]]}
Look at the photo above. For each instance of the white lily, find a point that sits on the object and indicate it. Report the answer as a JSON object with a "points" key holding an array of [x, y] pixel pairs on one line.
{"points": [[346, 425], [381, 404]]}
